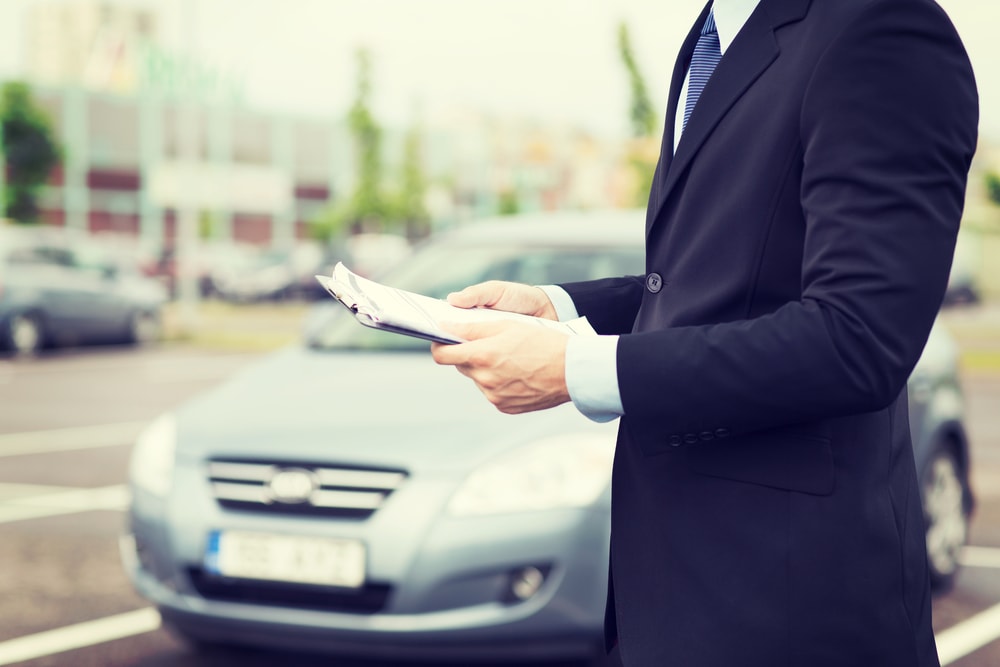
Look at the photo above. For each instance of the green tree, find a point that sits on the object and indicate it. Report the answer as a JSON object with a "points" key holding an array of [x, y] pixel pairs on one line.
{"points": [[30, 151], [367, 207], [508, 203], [410, 210], [993, 187], [368, 203], [641, 153], [641, 114]]}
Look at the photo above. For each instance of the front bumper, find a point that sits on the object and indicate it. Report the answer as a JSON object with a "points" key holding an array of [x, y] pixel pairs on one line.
{"points": [[447, 589]]}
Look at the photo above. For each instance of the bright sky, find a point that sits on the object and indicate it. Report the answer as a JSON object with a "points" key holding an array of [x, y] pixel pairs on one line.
{"points": [[553, 59]]}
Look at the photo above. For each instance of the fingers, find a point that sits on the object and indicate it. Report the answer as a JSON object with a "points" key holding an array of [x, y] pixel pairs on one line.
{"points": [[501, 295], [448, 355], [518, 368], [483, 295], [461, 353]]}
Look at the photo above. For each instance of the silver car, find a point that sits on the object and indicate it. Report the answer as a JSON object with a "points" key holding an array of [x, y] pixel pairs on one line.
{"points": [[351, 496], [59, 288]]}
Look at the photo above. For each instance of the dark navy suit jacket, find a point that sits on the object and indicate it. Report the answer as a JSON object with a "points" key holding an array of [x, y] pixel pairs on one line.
{"points": [[765, 503]]}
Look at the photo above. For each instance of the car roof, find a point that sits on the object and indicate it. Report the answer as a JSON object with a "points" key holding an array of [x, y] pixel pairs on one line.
{"points": [[624, 228]]}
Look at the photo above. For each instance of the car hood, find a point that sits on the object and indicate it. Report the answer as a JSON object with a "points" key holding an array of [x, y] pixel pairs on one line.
{"points": [[396, 410]]}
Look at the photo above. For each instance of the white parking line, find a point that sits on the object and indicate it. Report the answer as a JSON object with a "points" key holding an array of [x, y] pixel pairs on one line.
{"points": [[79, 636], [988, 557], [54, 502], [65, 439], [971, 634], [12, 491]]}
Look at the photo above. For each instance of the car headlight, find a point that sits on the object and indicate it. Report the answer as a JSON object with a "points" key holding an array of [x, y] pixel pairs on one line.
{"points": [[152, 465], [563, 471]]}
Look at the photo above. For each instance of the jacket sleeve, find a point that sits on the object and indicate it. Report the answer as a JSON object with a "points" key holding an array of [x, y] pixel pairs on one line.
{"points": [[610, 304], [888, 127]]}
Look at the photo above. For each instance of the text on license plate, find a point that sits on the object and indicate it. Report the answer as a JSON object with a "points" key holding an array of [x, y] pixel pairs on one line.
{"points": [[321, 561]]}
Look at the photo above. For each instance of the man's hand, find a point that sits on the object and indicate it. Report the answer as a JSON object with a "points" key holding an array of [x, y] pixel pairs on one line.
{"points": [[511, 297], [518, 367]]}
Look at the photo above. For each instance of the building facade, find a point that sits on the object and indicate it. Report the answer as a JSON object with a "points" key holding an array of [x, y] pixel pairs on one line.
{"points": [[156, 143]]}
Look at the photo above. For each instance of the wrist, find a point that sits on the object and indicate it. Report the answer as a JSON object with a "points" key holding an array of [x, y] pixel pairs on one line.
{"points": [[545, 309]]}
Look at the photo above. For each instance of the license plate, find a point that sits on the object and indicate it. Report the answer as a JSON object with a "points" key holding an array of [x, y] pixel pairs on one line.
{"points": [[302, 560]]}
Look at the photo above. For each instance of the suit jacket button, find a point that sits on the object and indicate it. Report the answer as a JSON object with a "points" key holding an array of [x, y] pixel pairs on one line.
{"points": [[707, 435], [675, 441], [690, 438], [654, 283], [722, 433]]}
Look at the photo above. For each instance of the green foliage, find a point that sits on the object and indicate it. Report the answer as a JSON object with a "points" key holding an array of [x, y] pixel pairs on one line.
{"points": [[643, 168], [30, 150], [370, 207], [643, 151], [508, 204], [329, 225], [993, 187], [367, 202], [409, 206], [366, 206], [208, 226], [641, 109]]}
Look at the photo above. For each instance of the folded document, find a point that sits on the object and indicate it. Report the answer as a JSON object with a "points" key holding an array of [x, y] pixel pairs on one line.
{"points": [[389, 309]]}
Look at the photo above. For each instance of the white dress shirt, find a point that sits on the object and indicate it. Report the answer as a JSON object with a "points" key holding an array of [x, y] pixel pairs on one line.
{"points": [[730, 15], [592, 361]]}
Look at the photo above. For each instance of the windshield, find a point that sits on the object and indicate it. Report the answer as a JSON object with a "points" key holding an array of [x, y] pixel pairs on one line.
{"points": [[439, 269]]}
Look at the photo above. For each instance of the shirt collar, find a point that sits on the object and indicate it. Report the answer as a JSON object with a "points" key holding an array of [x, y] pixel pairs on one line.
{"points": [[730, 15]]}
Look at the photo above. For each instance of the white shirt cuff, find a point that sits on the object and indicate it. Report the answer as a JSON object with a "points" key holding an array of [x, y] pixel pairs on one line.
{"points": [[592, 376], [561, 301]]}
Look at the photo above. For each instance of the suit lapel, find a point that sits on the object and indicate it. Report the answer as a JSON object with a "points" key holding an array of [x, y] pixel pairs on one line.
{"points": [[749, 56], [676, 83], [667, 142]]}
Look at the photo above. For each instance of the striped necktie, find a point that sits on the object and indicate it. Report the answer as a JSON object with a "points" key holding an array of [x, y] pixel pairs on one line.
{"points": [[706, 56]]}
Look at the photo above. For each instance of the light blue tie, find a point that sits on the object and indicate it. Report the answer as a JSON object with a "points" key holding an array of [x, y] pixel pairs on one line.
{"points": [[706, 56]]}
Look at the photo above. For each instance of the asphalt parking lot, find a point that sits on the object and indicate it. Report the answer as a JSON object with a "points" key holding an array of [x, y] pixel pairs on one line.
{"points": [[67, 421]]}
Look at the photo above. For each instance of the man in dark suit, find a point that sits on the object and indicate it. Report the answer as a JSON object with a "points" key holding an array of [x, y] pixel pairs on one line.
{"points": [[800, 230]]}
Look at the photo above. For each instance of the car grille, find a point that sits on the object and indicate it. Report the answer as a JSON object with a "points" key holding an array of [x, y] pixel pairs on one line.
{"points": [[370, 599], [315, 490]]}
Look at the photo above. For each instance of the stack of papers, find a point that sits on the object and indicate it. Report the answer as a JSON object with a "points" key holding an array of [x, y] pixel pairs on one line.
{"points": [[390, 309]]}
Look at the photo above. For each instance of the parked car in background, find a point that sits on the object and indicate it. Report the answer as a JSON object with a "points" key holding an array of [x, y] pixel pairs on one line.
{"points": [[369, 255], [289, 273], [209, 258], [267, 274], [349, 495], [941, 450], [61, 289], [372, 254], [963, 281], [256, 276]]}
